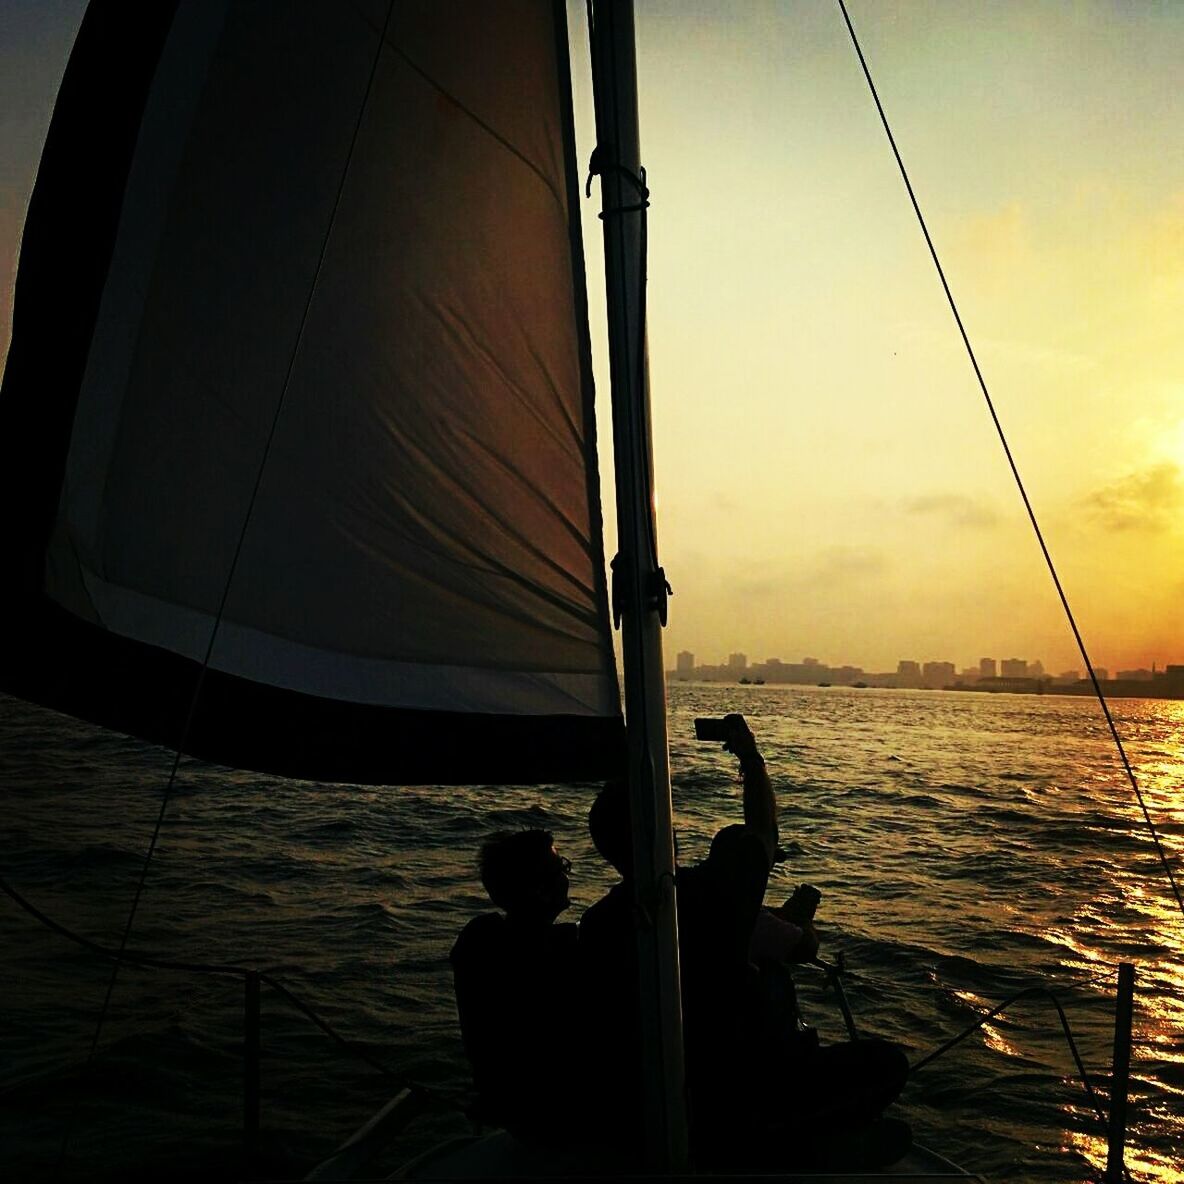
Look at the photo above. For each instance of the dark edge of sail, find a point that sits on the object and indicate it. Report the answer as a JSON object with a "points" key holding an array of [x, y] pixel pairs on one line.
{"points": [[79, 668], [66, 251]]}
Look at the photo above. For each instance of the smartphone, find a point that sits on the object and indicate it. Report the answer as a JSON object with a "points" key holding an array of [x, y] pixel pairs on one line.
{"points": [[711, 729]]}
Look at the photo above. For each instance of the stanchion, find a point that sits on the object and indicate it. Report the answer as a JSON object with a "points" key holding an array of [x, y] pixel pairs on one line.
{"points": [[251, 1063], [1120, 1075], [834, 978]]}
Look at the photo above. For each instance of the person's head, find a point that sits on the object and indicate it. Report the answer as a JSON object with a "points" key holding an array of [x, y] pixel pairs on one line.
{"points": [[731, 860], [524, 875], [610, 827], [726, 843]]}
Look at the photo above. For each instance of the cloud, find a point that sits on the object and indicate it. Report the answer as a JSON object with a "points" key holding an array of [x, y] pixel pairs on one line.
{"points": [[758, 587], [955, 509], [1150, 499], [823, 570], [841, 563], [840, 567]]}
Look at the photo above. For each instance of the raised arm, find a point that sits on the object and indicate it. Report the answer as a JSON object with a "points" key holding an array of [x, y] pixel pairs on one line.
{"points": [[760, 803]]}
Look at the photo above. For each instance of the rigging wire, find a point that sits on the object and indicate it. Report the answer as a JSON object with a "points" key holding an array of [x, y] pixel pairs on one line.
{"points": [[1028, 993], [1130, 773], [201, 677], [836, 973]]}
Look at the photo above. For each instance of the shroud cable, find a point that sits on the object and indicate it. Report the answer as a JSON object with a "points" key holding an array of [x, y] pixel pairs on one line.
{"points": [[1167, 867]]}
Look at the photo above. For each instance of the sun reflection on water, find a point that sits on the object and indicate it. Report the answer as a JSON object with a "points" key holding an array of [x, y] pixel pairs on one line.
{"points": [[1143, 1165], [1131, 914]]}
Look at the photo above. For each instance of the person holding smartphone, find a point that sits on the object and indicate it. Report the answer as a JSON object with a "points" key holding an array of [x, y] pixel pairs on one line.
{"points": [[762, 1096], [820, 1103], [719, 901]]}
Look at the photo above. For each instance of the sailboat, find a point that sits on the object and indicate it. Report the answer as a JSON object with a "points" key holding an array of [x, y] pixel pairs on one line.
{"points": [[307, 370]]}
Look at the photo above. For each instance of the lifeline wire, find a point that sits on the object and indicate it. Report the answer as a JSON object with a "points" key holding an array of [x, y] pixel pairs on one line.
{"points": [[1167, 867], [222, 969], [233, 566], [835, 974], [1029, 992]]}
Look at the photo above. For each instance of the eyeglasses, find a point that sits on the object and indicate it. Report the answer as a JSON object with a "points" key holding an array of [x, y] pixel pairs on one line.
{"points": [[559, 863]]}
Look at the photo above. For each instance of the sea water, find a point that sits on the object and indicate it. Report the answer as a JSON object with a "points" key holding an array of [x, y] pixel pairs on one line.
{"points": [[968, 846]]}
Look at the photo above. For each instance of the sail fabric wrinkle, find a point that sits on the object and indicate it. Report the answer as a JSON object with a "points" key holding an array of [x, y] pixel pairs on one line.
{"points": [[356, 261], [419, 496]]}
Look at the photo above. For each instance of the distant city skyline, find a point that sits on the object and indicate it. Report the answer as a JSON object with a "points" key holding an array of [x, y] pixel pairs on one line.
{"points": [[928, 670], [1013, 675]]}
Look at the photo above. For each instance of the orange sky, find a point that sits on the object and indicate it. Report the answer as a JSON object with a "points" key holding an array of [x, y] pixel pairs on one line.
{"points": [[830, 481]]}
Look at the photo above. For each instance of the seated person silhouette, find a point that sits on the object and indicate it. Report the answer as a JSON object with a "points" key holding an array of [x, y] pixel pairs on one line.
{"points": [[514, 974], [610, 984]]}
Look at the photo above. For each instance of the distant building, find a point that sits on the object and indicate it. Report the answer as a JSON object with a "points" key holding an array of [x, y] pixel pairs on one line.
{"points": [[1170, 679], [846, 675], [685, 664], [908, 674], [1069, 676], [1140, 675], [1013, 668], [987, 668], [938, 674], [1102, 674], [1036, 669], [737, 661]]}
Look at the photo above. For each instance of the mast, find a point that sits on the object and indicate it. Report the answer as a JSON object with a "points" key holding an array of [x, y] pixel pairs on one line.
{"points": [[639, 584]]}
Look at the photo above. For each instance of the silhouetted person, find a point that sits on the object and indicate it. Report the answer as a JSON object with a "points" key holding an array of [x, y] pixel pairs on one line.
{"points": [[610, 983], [718, 902], [515, 979], [761, 1094]]}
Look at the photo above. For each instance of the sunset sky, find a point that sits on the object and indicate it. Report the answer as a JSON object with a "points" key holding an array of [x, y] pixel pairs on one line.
{"points": [[829, 480]]}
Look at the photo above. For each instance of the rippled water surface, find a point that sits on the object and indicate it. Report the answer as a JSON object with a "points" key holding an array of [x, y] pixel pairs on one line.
{"points": [[967, 846]]}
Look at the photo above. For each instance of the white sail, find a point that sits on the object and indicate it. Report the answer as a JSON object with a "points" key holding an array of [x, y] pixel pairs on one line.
{"points": [[325, 396]]}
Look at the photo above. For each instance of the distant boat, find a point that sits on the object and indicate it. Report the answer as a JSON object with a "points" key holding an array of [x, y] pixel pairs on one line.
{"points": [[861, 685], [824, 684]]}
